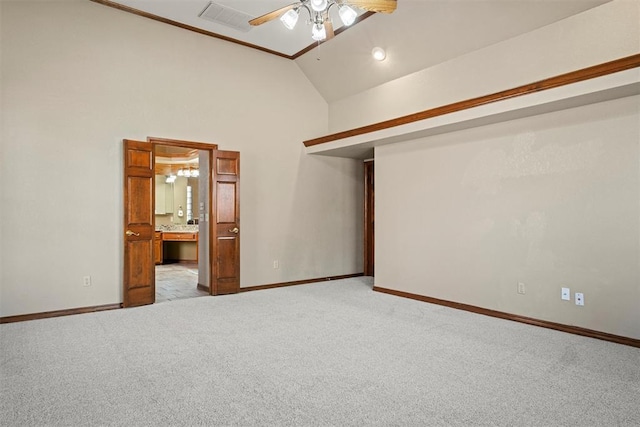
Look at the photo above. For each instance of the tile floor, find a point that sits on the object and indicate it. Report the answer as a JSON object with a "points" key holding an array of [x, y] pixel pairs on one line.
{"points": [[177, 281]]}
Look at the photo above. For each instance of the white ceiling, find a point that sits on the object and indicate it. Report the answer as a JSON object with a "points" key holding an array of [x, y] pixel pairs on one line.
{"points": [[419, 34]]}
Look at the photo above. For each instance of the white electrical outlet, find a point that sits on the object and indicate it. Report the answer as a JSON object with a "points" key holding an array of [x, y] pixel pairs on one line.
{"points": [[86, 281], [566, 294], [579, 298], [276, 264], [521, 288]]}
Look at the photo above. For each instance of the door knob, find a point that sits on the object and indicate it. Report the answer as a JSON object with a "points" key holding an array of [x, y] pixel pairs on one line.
{"points": [[132, 233], [234, 230]]}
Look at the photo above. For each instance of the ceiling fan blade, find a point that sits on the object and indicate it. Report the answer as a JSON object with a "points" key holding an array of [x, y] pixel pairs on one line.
{"points": [[272, 15], [383, 6], [328, 28]]}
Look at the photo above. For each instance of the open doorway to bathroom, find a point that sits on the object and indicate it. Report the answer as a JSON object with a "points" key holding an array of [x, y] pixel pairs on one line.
{"points": [[217, 240], [181, 234]]}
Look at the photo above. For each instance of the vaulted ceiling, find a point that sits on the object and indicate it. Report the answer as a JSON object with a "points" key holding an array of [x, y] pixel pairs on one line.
{"points": [[419, 34]]}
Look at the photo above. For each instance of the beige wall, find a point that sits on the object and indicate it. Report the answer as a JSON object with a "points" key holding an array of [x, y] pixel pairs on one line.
{"points": [[601, 34], [78, 77], [549, 201], [180, 200], [202, 213]]}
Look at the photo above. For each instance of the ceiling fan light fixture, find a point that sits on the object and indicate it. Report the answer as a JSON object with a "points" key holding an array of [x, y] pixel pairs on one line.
{"points": [[318, 33], [347, 15], [319, 15], [290, 19], [319, 5]]}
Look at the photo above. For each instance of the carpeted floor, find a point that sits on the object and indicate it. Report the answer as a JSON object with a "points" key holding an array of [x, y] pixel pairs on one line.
{"points": [[331, 353]]}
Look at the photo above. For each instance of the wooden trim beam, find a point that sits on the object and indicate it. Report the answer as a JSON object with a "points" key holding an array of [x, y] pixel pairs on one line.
{"points": [[187, 27], [299, 282], [193, 145], [600, 70], [58, 313], [515, 317]]}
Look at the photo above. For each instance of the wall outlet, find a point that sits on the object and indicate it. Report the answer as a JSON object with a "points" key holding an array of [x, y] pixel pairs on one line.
{"points": [[566, 294], [276, 264], [86, 281], [579, 298], [521, 288]]}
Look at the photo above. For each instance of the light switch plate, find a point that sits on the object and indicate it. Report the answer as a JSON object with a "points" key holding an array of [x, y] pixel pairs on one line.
{"points": [[566, 294]]}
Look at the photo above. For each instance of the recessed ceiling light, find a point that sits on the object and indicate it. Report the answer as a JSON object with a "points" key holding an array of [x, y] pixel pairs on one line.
{"points": [[378, 54]]}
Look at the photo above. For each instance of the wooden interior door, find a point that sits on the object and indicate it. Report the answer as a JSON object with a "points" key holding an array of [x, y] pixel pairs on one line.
{"points": [[139, 224], [369, 218], [225, 169]]}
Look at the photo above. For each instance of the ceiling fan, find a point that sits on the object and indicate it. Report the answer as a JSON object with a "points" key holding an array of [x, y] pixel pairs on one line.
{"points": [[319, 14]]}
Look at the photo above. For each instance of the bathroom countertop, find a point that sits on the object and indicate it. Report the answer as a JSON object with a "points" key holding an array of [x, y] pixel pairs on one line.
{"points": [[178, 228]]}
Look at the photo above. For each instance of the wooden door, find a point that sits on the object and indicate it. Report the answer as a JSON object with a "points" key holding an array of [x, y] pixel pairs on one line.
{"points": [[226, 225], [369, 203], [139, 286]]}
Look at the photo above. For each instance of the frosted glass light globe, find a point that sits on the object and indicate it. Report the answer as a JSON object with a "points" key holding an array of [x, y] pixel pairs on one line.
{"points": [[290, 19], [319, 5], [318, 33], [347, 15]]}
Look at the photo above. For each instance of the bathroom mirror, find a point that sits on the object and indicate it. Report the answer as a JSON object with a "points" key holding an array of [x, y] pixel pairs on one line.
{"points": [[164, 196]]}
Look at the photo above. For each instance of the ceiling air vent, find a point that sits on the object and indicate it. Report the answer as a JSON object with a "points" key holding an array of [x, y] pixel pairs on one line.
{"points": [[227, 16]]}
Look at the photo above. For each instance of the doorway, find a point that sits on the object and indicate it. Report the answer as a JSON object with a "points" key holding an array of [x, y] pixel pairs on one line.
{"points": [[216, 237], [369, 217], [181, 195]]}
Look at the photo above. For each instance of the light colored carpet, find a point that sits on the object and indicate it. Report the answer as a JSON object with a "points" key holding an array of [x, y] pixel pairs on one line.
{"points": [[332, 353]]}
